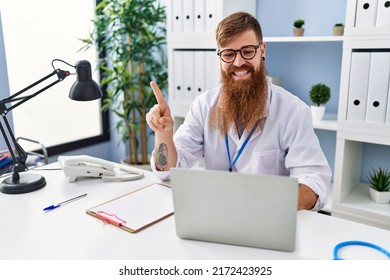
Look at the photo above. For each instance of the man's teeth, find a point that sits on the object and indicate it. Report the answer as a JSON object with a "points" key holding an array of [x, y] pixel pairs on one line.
{"points": [[240, 73]]}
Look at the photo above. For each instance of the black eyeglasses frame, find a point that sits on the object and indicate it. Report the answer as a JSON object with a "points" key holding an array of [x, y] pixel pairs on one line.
{"points": [[240, 51]]}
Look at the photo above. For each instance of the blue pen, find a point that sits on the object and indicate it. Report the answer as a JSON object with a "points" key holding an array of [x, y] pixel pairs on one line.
{"points": [[51, 207]]}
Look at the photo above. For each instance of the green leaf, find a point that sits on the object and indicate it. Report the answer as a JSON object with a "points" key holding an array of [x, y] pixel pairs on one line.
{"points": [[379, 179]]}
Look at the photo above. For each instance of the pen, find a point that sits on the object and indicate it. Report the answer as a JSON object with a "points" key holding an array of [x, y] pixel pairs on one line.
{"points": [[51, 207]]}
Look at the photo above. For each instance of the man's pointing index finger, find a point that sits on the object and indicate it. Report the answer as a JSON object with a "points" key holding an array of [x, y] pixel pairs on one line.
{"points": [[157, 92]]}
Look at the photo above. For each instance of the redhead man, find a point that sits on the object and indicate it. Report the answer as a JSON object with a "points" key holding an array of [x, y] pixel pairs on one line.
{"points": [[246, 124]]}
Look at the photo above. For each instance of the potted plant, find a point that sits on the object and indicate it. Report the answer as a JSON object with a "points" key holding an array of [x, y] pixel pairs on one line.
{"points": [[338, 29], [298, 29], [379, 183], [319, 95], [131, 35]]}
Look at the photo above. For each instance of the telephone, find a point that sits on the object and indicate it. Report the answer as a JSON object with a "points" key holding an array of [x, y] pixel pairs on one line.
{"points": [[87, 166]]}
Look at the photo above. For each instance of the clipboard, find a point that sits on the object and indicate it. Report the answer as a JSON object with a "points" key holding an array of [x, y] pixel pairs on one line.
{"points": [[136, 210]]}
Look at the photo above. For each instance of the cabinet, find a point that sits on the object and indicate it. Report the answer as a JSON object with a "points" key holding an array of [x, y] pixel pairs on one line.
{"points": [[301, 62]]}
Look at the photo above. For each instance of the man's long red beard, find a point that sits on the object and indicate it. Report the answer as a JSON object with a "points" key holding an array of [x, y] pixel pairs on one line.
{"points": [[242, 103]]}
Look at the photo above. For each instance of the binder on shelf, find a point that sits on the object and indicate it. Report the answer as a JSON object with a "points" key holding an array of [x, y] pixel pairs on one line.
{"points": [[358, 86], [211, 69], [383, 13], [199, 16], [388, 107], [378, 87], [212, 16], [188, 16], [177, 16], [366, 11], [199, 71], [178, 75], [136, 210], [188, 75]]}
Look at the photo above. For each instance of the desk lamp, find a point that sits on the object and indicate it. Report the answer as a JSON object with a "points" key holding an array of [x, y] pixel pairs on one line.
{"points": [[84, 89]]}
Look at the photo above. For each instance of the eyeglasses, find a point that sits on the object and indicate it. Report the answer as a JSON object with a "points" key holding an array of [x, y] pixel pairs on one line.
{"points": [[246, 52]]}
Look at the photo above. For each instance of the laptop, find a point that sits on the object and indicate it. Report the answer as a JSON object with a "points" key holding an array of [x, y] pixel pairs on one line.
{"points": [[234, 208]]}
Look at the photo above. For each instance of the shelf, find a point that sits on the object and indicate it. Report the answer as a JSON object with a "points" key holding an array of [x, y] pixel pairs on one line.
{"points": [[329, 122], [209, 38], [303, 39], [365, 134], [358, 204], [192, 40]]}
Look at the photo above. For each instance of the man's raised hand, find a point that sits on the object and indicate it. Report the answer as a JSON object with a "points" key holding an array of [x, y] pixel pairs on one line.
{"points": [[159, 117]]}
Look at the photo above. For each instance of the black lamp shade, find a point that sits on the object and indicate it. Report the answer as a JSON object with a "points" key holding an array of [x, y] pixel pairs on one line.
{"points": [[84, 89]]}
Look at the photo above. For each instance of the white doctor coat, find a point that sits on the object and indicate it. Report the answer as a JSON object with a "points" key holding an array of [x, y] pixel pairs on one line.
{"points": [[287, 144]]}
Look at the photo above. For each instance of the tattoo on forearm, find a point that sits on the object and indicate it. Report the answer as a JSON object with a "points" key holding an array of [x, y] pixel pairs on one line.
{"points": [[161, 157]]}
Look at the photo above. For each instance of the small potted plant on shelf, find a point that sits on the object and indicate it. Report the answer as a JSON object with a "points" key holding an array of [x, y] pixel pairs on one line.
{"points": [[319, 95], [379, 183], [338, 29], [298, 29]]}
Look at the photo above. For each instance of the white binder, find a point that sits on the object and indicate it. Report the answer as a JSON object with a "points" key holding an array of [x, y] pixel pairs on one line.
{"points": [[358, 86], [383, 13], [178, 83], [378, 87], [188, 15], [213, 14], [388, 107], [177, 16], [366, 13], [199, 71], [199, 16], [212, 69], [188, 75]]}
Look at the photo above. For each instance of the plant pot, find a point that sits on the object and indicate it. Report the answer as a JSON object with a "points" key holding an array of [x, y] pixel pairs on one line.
{"points": [[317, 112], [380, 197], [338, 30], [298, 31]]}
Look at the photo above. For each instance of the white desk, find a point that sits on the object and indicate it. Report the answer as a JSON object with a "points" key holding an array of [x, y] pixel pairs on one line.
{"points": [[26, 232]]}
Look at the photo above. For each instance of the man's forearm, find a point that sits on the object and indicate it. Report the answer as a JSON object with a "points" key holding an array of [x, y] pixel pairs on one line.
{"points": [[165, 155], [306, 197]]}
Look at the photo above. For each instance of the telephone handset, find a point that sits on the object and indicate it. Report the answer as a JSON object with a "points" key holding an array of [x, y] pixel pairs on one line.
{"points": [[87, 166]]}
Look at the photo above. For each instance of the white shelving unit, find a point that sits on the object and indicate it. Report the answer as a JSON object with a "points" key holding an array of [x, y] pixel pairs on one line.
{"points": [[351, 198]]}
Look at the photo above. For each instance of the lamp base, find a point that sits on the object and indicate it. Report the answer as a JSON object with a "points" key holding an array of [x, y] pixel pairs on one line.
{"points": [[26, 183]]}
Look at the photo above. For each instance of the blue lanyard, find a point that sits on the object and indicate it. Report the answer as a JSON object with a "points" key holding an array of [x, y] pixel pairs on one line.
{"points": [[231, 164]]}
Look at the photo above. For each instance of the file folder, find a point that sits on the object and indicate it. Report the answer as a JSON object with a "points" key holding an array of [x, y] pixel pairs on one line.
{"points": [[383, 13], [188, 75], [378, 87], [366, 13], [388, 106], [188, 15], [177, 14], [199, 71], [178, 72], [212, 69], [199, 15], [212, 15], [136, 210], [358, 86]]}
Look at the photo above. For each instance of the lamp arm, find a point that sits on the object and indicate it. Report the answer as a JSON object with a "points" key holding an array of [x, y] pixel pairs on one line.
{"points": [[19, 157], [61, 75]]}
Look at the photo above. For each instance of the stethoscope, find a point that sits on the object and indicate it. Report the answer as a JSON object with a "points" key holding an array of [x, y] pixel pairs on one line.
{"points": [[359, 243]]}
